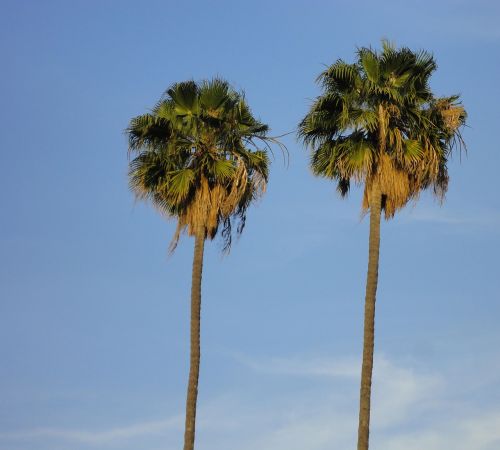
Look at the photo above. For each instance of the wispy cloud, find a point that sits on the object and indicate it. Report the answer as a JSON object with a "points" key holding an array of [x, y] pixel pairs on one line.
{"points": [[481, 432], [470, 219], [403, 395], [97, 437], [396, 389], [297, 366], [411, 410]]}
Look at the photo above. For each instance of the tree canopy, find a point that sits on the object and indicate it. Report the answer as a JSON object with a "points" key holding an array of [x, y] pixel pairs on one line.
{"points": [[196, 158], [377, 120]]}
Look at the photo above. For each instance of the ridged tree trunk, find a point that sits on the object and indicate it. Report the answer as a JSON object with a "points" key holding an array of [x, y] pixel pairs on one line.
{"points": [[194, 367], [369, 325]]}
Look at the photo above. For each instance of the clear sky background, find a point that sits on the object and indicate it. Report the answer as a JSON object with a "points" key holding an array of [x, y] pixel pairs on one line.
{"points": [[94, 313]]}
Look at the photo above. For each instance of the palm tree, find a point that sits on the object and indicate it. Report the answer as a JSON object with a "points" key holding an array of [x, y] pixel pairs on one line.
{"points": [[378, 124], [196, 159]]}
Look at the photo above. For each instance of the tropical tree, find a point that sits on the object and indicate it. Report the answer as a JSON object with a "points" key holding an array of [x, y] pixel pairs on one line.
{"points": [[196, 159], [378, 124]]}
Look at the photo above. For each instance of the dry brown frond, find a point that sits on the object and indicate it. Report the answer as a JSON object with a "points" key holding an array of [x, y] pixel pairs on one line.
{"points": [[452, 117], [238, 189], [396, 143], [394, 111], [259, 185], [394, 184], [215, 203], [452, 114]]}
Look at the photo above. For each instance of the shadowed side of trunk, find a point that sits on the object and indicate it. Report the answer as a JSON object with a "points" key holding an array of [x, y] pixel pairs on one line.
{"points": [[194, 368], [369, 324]]}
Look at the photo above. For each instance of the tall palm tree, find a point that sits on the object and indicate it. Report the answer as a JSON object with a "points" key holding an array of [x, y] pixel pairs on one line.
{"points": [[377, 123], [195, 157]]}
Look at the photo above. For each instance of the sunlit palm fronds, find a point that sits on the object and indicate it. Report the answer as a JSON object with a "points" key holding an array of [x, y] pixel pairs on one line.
{"points": [[378, 121], [197, 158]]}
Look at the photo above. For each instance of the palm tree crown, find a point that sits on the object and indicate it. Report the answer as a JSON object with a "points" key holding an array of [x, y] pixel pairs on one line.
{"points": [[196, 157], [378, 121]]}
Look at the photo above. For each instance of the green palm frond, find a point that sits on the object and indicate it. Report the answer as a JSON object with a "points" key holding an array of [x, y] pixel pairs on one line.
{"points": [[413, 150], [180, 183], [223, 170], [214, 94], [340, 77], [185, 97], [370, 64], [148, 131]]}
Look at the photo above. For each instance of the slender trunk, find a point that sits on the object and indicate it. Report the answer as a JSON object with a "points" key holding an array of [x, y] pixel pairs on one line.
{"points": [[369, 326], [194, 368]]}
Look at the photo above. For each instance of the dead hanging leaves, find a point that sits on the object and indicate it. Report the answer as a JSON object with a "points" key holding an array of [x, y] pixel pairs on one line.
{"points": [[394, 184], [215, 202], [452, 114], [399, 185]]}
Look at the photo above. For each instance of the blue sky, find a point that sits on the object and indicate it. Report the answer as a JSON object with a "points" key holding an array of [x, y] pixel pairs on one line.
{"points": [[94, 313]]}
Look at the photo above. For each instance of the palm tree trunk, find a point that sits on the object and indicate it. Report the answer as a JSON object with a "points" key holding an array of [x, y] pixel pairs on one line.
{"points": [[194, 368], [369, 325]]}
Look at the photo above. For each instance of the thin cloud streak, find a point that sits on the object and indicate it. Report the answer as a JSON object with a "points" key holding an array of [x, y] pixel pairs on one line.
{"points": [[479, 433], [482, 219], [411, 410], [302, 367], [97, 437]]}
